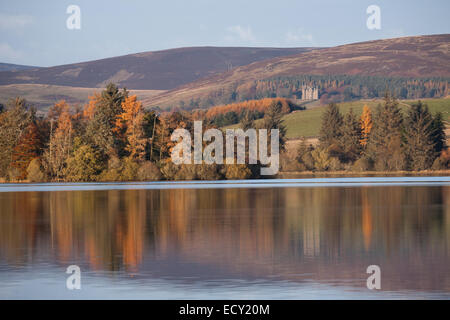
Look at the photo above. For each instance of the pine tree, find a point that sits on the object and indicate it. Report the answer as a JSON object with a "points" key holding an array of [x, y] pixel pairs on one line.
{"points": [[420, 145], [351, 136], [272, 120], [385, 145], [438, 134], [247, 121], [100, 127], [331, 129]]}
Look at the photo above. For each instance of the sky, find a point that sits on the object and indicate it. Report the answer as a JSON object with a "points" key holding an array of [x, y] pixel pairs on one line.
{"points": [[36, 33]]}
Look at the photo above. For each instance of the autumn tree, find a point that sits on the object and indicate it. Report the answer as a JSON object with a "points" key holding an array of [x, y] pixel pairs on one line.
{"points": [[60, 145], [84, 164], [366, 125], [13, 122], [130, 123], [35, 172], [27, 149]]}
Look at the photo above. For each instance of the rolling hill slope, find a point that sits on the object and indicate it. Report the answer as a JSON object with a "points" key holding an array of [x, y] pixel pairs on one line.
{"points": [[14, 67], [420, 56], [158, 70]]}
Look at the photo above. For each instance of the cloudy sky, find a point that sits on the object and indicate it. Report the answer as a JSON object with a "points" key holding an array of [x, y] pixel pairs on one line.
{"points": [[35, 32]]}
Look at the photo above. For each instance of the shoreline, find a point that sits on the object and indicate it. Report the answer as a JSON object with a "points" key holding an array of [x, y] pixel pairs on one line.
{"points": [[279, 176]]}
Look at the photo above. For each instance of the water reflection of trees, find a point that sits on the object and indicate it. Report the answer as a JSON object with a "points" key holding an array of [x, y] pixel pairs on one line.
{"points": [[294, 233]]}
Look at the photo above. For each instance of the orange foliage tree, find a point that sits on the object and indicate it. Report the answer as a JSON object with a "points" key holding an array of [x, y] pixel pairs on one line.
{"points": [[366, 125], [26, 150], [251, 105], [89, 108], [129, 123]]}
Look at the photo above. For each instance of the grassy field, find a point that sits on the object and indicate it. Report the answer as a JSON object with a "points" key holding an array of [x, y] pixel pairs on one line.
{"points": [[307, 123]]}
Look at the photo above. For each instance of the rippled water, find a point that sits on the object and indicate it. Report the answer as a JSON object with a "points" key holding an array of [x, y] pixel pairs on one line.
{"points": [[277, 239]]}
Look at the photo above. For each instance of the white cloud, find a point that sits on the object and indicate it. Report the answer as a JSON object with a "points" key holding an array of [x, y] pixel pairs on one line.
{"points": [[241, 33], [8, 53], [14, 21], [299, 37]]}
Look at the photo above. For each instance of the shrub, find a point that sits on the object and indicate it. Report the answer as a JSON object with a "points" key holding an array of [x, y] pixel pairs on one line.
{"points": [[129, 170], [13, 174], [362, 164], [290, 165], [114, 170], [34, 171], [237, 172], [83, 165], [335, 165], [169, 170], [321, 159], [208, 172], [443, 161], [186, 172], [149, 172]]}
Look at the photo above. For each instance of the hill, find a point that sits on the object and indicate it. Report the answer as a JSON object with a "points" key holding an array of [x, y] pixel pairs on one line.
{"points": [[42, 96], [14, 67], [420, 56], [157, 70]]}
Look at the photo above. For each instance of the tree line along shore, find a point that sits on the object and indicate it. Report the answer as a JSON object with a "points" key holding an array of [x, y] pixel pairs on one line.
{"points": [[114, 138]]}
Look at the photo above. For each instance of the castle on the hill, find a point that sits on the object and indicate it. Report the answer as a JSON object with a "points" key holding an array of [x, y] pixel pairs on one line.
{"points": [[310, 93]]}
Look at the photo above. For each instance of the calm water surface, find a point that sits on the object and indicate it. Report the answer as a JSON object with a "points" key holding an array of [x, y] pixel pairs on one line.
{"points": [[277, 239]]}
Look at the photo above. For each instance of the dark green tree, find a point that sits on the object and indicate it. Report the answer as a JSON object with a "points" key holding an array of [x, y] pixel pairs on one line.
{"points": [[385, 145], [331, 129], [99, 130], [272, 120], [438, 134], [350, 139], [420, 144]]}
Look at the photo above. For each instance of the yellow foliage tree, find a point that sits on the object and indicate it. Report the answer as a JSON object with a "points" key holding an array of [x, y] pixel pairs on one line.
{"points": [[366, 125]]}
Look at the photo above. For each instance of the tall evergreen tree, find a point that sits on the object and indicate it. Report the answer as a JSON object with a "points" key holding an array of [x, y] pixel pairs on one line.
{"points": [[438, 134], [272, 120], [351, 136], [385, 144], [99, 130], [419, 134], [331, 129], [247, 121]]}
